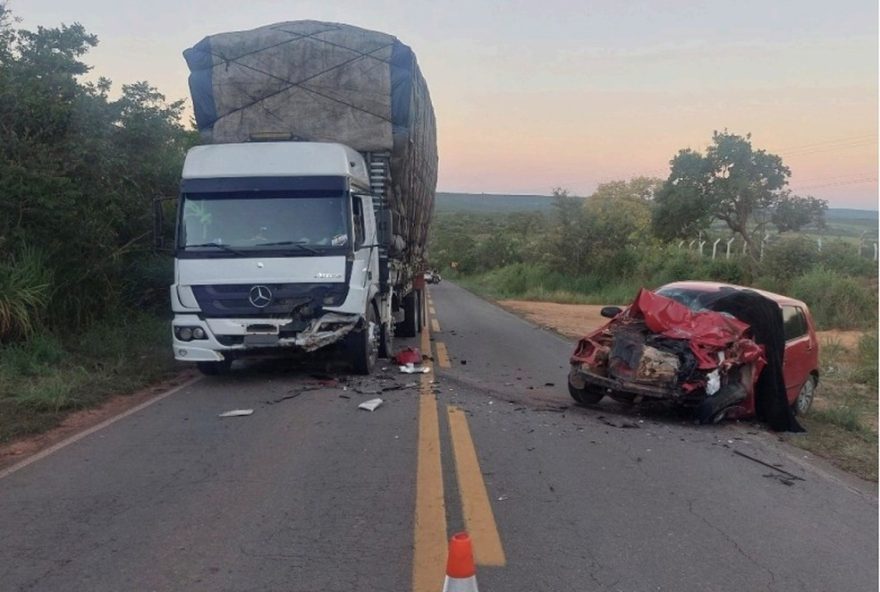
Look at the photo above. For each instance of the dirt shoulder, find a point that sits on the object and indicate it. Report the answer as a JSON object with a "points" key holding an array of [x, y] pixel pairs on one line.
{"points": [[842, 425]]}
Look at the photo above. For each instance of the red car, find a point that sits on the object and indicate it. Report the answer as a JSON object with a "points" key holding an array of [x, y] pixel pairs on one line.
{"points": [[669, 346]]}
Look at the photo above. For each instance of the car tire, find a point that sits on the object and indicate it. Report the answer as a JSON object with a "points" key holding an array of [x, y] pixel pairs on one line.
{"points": [[363, 345], [805, 398], [714, 407], [214, 368], [584, 396]]}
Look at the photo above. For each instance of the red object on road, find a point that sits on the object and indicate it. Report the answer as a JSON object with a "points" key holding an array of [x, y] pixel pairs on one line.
{"points": [[409, 355], [461, 573]]}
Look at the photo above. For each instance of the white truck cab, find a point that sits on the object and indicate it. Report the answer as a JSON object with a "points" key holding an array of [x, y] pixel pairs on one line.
{"points": [[277, 247]]}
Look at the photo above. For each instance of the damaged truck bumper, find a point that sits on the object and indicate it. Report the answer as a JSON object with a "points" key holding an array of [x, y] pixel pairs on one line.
{"points": [[220, 339]]}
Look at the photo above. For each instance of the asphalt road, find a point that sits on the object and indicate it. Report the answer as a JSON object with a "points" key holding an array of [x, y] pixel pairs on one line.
{"points": [[311, 494]]}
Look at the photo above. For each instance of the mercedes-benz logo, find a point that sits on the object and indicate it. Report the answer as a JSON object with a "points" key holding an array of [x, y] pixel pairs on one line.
{"points": [[260, 296]]}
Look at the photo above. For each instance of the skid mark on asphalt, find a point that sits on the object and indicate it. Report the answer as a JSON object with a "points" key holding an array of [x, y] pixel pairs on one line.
{"points": [[478, 516]]}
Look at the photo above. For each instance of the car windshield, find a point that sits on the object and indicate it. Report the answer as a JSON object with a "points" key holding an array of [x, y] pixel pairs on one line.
{"points": [[693, 299], [268, 220]]}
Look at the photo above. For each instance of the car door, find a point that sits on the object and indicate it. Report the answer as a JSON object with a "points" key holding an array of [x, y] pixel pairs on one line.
{"points": [[798, 350]]}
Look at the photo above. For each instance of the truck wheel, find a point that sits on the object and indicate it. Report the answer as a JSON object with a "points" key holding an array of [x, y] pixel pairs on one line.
{"points": [[714, 407], [386, 341], [409, 327], [363, 344], [584, 394], [214, 368]]}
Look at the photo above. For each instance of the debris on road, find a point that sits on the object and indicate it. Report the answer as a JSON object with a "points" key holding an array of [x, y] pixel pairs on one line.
{"points": [[408, 356], [622, 424], [237, 413], [370, 405], [769, 466], [413, 369]]}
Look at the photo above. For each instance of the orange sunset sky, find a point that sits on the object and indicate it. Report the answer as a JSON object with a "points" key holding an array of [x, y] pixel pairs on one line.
{"points": [[532, 95]]}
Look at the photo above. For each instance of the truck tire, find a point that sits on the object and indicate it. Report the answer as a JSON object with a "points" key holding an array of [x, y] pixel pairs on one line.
{"points": [[363, 345], [714, 407], [214, 368], [386, 341], [409, 327]]}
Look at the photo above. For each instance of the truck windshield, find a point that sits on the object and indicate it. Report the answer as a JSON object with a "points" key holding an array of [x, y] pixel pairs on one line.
{"points": [[238, 222]]}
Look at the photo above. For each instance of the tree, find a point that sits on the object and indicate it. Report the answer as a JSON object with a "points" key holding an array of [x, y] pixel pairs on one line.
{"points": [[619, 212], [793, 212], [730, 183]]}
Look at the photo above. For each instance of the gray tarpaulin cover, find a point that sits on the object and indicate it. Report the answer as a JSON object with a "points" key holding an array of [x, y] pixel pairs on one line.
{"points": [[324, 82]]}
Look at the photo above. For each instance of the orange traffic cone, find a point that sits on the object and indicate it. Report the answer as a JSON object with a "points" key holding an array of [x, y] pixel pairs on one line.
{"points": [[461, 574]]}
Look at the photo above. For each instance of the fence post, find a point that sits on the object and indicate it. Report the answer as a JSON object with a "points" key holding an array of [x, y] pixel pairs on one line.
{"points": [[819, 242], [715, 248], [733, 238], [701, 243], [680, 244], [691, 244]]}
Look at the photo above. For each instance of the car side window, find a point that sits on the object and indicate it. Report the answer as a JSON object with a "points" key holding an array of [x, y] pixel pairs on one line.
{"points": [[794, 322]]}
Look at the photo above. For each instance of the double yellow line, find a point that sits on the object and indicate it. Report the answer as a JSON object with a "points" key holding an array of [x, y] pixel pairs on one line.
{"points": [[430, 536]]}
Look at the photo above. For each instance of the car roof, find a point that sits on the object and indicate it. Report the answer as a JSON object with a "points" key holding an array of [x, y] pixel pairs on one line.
{"points": [[710, 287]]}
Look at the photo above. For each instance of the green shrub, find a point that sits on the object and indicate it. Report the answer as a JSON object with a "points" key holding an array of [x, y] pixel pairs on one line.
{"points": [[790, 257], [866, 359], [836, 300]]}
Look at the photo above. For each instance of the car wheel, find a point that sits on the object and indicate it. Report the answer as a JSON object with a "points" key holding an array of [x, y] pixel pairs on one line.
{"points": [[715, 407], [584, 395], [363, 345], [805, 398], [214, 368]]}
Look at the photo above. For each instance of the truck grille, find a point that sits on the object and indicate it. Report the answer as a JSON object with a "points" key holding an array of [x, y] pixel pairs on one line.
{"points": [[233, 300]]}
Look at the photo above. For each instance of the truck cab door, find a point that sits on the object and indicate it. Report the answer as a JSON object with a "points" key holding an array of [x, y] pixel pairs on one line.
{"points": [[366, 248]]}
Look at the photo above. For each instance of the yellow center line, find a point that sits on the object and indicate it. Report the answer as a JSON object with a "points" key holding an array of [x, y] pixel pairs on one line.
{"points": [[435, 325], [442, 355], [478, 516], [432, 311], [429, 544]]}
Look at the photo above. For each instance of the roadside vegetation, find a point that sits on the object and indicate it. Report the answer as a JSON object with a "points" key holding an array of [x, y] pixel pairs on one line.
{"points": [[647, 232], [82, 290]]}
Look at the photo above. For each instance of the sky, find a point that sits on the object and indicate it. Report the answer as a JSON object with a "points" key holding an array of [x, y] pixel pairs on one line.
{"points": [[531, 95]]}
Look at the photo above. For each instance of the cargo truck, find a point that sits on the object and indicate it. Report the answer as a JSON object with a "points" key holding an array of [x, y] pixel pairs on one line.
{"points": [[303, 217]]}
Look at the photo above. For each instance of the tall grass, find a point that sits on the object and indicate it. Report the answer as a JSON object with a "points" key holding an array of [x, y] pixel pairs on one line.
{"points": [[45, 376], [25, 280]]}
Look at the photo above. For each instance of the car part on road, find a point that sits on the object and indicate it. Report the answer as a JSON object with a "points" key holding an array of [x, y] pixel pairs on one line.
{"points": [[370, 405], [237, 413], [768, 465], [409, 355]]}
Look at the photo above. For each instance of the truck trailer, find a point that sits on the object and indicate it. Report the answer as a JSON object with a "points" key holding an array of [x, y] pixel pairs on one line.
{"points": [[303, 216]]}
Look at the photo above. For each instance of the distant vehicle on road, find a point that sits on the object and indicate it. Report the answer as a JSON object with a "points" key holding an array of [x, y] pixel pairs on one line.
{"points": [[674, 344], [432, 277]]}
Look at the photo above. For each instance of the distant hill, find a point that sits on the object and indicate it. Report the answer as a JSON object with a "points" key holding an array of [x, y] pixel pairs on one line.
{"points": [[848, 220]]}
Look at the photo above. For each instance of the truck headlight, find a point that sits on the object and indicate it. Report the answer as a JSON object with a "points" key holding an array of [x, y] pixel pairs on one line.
{"points": [[185, 334], [198, 333]]}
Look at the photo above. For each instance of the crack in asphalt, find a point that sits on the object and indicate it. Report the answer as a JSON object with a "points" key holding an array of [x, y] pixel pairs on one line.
{"points": [[732, 541]]}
